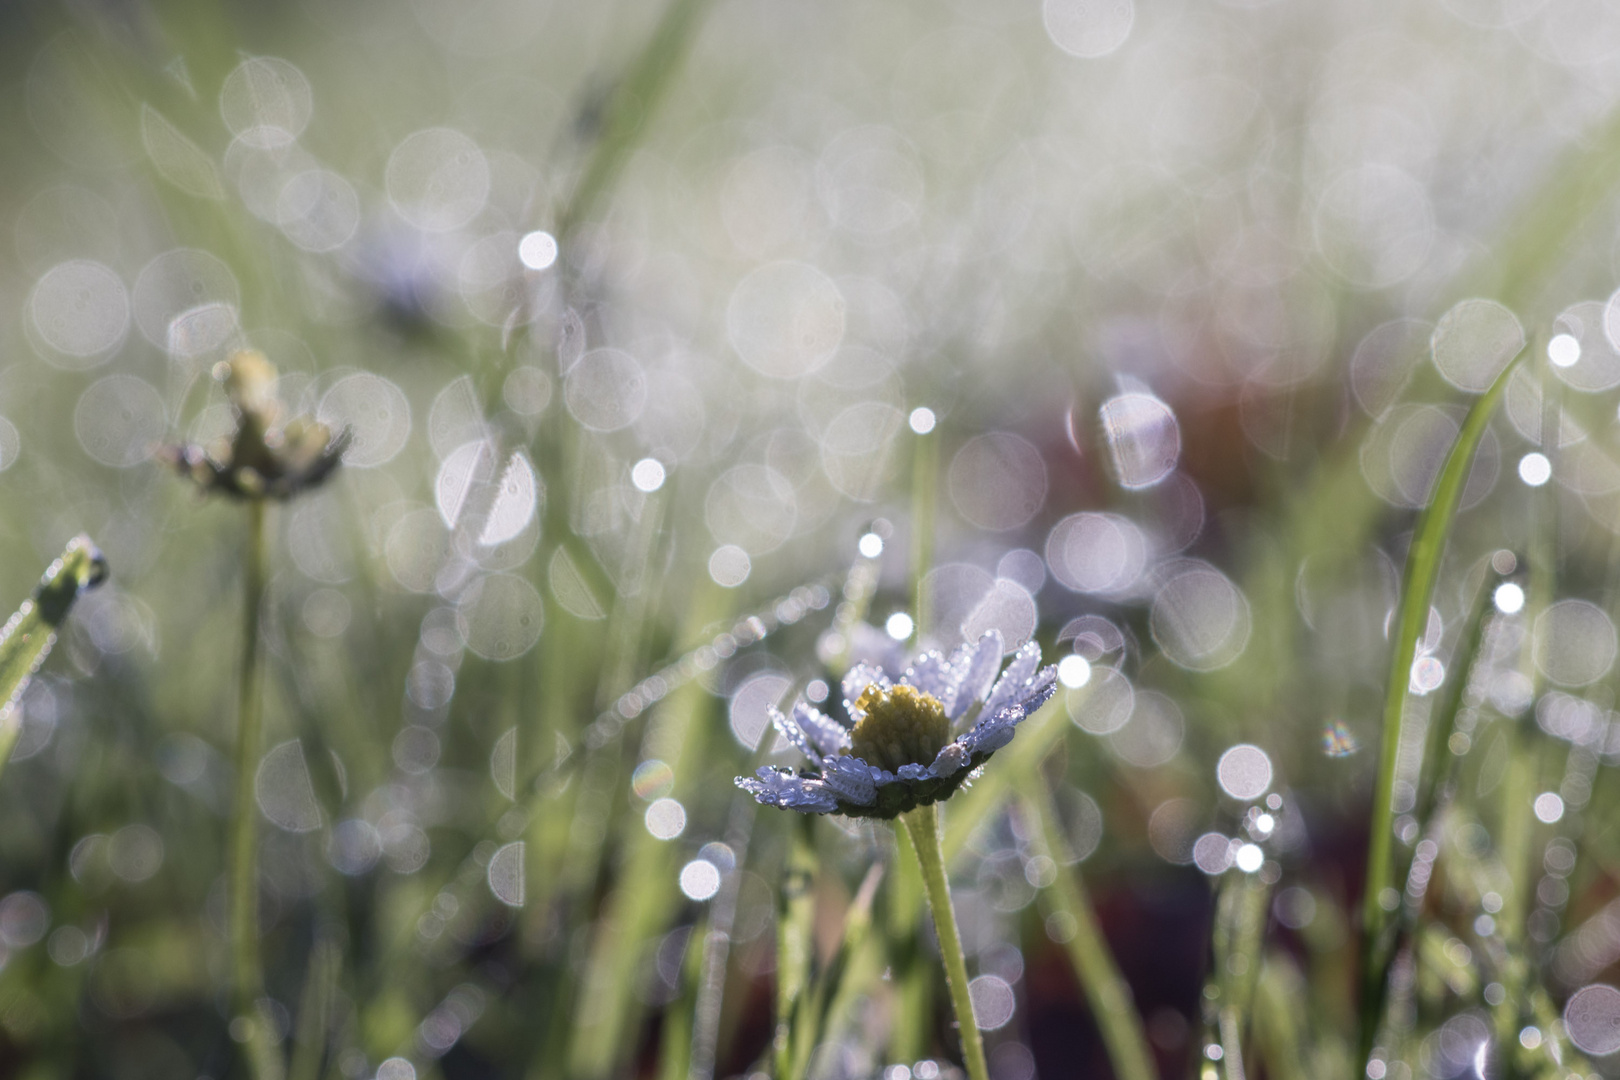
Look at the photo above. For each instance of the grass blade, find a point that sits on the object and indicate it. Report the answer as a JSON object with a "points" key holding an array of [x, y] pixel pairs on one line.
{"points": [[1106, 989], [1422, 572], [26, 639]]}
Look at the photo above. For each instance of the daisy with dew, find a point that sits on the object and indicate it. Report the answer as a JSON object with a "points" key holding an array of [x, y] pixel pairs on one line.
{"points": [[912, 744]]}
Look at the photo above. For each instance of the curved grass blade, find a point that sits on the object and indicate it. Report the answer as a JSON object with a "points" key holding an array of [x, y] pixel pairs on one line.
{"points": [[26, 639], [1422, 571]]}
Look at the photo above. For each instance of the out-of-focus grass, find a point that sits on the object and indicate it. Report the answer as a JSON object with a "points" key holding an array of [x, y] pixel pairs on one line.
{"points": [[470, 864]]}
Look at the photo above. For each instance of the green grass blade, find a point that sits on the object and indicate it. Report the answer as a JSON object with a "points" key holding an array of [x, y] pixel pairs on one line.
{"points": [[314, 1011], [1106, 989], [628, 107], [26, 639], [835, 986], [970, 807], [1279, 1040], [795, 935], [1422, 571]]}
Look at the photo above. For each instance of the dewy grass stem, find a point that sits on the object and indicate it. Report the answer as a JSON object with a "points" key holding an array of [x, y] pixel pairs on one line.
{"points": [[923, 826], [247, 977]]}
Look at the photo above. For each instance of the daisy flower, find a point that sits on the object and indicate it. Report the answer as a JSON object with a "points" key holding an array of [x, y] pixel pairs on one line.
{"points": [[911, 742]]}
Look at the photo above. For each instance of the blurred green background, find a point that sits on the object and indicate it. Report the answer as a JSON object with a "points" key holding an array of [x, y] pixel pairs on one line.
{"points": [[630, 309]]}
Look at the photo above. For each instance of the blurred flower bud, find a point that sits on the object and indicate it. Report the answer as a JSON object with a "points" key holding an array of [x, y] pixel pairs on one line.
{"points": [[261, 460]]}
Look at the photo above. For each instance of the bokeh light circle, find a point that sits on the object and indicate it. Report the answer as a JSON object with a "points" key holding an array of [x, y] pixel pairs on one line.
{"points": [[376, 414], [785, 319], [1088, 29], [81, 311], [501, 616], [1574, 643], [438, 179], [997, 481], [1474, 341], [1200, 619], [119, 420], [606, 390], [1592, 1019], [1244, 772]]}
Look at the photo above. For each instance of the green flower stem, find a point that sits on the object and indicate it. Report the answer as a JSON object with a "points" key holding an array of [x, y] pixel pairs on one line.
{"points": [[247, 977], [923, 826], [1106, 989]]}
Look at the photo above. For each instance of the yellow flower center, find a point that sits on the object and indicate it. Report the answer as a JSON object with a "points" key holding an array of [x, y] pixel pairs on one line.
{"points": [[902, 726]]}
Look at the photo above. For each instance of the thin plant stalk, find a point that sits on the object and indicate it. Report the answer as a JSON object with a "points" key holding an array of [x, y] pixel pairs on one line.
{"points": [[1106, 989], [247, 975], [924, 482], [923, 826], [1418, 585]]}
